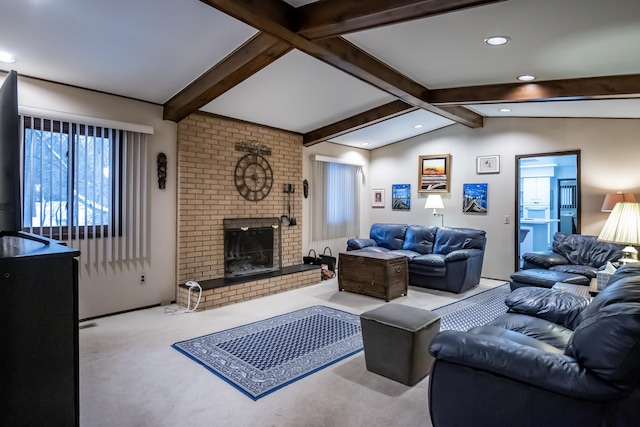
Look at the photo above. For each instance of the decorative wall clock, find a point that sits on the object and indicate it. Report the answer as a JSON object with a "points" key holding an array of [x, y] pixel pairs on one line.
{"points": [[253, 177]]}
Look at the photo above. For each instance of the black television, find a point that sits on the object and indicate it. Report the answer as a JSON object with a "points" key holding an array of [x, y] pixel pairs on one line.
{"points": [[10, 203]]}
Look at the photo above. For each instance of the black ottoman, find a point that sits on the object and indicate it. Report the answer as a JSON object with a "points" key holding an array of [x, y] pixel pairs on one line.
{"points": [[396, 341], [545, 278]]}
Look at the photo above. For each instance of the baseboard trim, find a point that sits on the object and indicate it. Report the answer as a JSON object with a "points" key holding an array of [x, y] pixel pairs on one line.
{"points": [[86, 319]]}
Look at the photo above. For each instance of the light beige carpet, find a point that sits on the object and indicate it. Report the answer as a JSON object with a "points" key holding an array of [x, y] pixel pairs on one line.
{"points": [[130, 375]]}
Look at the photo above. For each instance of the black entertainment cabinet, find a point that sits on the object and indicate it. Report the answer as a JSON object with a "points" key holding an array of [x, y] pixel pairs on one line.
{"points": [[39, 324]]}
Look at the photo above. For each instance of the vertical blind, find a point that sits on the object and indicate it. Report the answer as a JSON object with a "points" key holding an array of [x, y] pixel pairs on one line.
{"points": [[335, 200], [86, 185]]}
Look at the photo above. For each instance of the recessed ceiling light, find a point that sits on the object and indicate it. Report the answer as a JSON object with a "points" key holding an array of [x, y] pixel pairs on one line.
{"points": [[497, 40], [417, 126], [7, 57], [505, 110], [526, 78], [365, 144]]}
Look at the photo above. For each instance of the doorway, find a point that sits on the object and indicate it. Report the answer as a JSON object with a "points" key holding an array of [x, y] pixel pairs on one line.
{"points": [[547, 200]]}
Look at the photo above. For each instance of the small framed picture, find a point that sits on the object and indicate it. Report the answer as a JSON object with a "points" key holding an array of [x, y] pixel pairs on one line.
{"points": [[488, 164], [377, 198]]}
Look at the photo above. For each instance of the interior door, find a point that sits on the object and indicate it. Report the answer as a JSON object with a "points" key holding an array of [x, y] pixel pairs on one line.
{"points": [[547, 200]]}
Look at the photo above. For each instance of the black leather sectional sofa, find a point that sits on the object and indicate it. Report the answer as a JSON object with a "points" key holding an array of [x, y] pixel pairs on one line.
{"points": [[555, 359]]}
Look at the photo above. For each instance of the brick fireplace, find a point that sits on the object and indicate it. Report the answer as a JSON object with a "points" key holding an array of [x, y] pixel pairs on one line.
{"points": [[251, 246], [207, 196]]}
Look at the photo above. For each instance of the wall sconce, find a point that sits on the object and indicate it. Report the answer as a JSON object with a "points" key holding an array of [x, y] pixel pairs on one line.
{"points": [[434, 201], [610, 200], [162, 170]]}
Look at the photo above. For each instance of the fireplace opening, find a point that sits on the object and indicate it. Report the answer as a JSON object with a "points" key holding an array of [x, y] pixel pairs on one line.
{"points": [[251, 246]]}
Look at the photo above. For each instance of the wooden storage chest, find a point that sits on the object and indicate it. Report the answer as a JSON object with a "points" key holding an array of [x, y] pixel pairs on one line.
{"points": [[380, 275]]}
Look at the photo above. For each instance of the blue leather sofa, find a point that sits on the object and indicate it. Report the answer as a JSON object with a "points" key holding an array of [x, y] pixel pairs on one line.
{"points": [[448, 259], [555, 359]]}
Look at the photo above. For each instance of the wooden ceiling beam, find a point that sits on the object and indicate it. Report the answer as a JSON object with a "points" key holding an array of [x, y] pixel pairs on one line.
{"points": [[347, 57], [274, 17], [248, 59], [359, 121], [331, 18], [605, 87]]}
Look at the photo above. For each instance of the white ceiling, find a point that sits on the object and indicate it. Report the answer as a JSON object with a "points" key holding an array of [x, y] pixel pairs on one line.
{"points": [[151, 49]]}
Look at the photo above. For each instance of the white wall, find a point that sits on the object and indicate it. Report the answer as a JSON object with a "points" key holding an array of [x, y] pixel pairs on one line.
{"points": [[609, 163], [610, 153], [118, 288]]}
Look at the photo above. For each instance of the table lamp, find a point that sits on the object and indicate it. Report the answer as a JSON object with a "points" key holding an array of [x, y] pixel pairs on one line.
{"points": [[623, 227], [434, 201], [610, 200]]}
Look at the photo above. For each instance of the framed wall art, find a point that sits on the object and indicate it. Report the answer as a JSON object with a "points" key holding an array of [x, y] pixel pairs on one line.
{"points": [[475, 198], [434, 174], [401, 197], [488, 164], [377, 198]]}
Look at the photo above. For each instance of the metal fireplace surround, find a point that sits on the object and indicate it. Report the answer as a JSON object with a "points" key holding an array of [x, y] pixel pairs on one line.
{"points": [[252, 246]]}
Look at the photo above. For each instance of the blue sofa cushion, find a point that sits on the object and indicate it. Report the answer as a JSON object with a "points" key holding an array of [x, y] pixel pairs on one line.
{"points": [[460, 255], [376, 249], [544, 260], [390, 236], [585, 270], [409, 254], [453, 239], [356, 243], [419, 238], [540, 329], [430, 264], [560, 308]]}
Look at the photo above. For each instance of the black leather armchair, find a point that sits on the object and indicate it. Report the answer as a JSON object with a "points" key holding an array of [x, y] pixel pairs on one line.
{"points": [[574, 253], [555, 359]]}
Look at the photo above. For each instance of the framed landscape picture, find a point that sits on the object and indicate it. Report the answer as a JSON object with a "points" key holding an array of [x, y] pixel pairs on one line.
{"points": [[475, 198], [433, 173], [401, 197]]}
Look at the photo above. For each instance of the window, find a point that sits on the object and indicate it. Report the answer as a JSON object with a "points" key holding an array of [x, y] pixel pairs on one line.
{"points": [[70, 178], [87, 185], [336, 200]]}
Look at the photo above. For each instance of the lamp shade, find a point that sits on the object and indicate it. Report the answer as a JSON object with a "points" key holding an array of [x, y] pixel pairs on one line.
{"points": [[623, 225], [610, 200], [434, 201]]}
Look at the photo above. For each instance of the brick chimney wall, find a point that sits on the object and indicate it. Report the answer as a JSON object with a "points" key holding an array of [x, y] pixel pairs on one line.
{"points": [[207, 193]]}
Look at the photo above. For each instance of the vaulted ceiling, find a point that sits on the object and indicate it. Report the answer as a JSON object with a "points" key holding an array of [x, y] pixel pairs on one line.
{"points": [[333, 70]]}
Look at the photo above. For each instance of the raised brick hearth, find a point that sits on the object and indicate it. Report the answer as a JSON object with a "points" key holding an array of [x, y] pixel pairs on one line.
{"points": [[217, 293]]}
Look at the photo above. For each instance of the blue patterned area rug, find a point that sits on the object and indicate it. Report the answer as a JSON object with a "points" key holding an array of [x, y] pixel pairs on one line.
{"points": [[262, 357], [475, 310]]}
